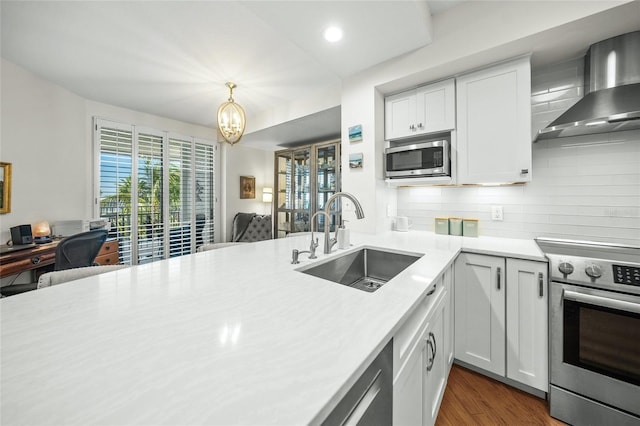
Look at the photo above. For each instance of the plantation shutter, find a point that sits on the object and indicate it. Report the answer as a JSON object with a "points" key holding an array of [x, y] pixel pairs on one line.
{"points": [[205, 194], [181, 196], [158, 191], [115, 178], [150, 200]]}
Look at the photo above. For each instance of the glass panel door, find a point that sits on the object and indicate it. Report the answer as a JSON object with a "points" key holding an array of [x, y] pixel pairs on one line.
{"points": [[302, 190], [305, 178], [326, 182], [284, 194]]}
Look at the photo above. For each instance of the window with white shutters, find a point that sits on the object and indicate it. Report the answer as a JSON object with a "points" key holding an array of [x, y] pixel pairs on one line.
{"points": [[157, 190]]}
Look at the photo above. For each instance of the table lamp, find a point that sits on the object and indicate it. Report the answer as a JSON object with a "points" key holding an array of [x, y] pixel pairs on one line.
{"points": [[267, 195], [41, 232]]}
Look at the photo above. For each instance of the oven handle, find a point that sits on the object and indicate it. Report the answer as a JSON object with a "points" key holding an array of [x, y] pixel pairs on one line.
{"points": [[606, 302]]}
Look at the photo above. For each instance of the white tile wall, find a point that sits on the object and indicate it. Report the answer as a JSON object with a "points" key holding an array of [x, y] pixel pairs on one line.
{"points": [[585, 188]]}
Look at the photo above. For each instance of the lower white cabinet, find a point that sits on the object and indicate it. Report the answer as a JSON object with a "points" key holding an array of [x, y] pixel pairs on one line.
{"points": [[480, 311], [435, 375], [422, 353], [501, 317], [527, 331]]}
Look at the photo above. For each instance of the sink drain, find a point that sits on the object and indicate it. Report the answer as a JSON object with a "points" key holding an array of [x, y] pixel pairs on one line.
{"points": [[368, 284]]}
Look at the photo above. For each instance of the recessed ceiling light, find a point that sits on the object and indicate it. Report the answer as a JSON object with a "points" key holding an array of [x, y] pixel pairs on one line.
{"points": [[333, 34]]}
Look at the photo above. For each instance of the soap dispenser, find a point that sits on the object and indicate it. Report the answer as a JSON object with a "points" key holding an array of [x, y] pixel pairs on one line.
{"points": [[343, 236]]}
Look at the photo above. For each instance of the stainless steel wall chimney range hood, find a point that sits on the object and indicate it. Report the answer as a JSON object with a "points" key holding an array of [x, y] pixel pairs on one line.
{"points": [[612, 91]]}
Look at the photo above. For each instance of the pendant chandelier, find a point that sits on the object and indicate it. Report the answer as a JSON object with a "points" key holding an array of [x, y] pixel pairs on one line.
{"points": [[231, 118]]}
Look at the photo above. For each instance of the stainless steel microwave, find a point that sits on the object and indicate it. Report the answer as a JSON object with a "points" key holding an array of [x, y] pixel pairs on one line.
{"points": [[426, 159]]}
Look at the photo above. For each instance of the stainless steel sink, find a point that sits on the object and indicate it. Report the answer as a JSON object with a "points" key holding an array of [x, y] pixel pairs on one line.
{"points": [[366, 269]]}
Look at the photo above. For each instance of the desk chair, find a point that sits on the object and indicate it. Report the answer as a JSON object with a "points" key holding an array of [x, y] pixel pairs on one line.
{"points": [[75, 251]]}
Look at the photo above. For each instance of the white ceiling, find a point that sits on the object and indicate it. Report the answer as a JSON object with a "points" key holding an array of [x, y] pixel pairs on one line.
{"points": [[172, 58]]}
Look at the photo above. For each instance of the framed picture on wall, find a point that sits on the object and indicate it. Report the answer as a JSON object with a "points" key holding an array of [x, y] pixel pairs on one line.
{"points": [[5, 188], [247, 187]]}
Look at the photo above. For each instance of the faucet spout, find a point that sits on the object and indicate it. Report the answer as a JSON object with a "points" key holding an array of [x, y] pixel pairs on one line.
{"points": [[328, 241]]}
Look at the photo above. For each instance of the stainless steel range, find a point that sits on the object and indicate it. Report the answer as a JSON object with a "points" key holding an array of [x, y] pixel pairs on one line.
{"points": [[594, 332]]}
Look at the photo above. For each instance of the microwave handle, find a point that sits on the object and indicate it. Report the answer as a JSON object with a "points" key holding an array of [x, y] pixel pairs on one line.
{"points": [[607, 302]]}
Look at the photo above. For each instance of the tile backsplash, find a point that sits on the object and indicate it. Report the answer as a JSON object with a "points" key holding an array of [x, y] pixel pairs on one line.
{"points": [[585, 187]]}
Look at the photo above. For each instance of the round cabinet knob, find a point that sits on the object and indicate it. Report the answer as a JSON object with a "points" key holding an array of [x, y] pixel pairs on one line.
{"points": [[594, 271], [566, 268]]}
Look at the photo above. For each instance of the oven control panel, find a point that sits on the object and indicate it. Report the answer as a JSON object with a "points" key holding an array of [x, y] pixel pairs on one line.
{"points": [[629, 275], [594, 272]]}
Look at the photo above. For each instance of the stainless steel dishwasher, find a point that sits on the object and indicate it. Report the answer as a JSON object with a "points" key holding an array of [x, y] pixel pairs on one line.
{"points": [[370, 399]]}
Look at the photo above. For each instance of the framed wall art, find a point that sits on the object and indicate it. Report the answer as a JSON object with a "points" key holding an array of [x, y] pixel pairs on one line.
{"points": [[247, 187], [5, 187], [355, 161], [355, 133]]}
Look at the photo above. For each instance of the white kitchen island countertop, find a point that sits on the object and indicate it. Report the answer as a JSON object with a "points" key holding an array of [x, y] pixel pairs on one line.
{"points": [[229, 336]]}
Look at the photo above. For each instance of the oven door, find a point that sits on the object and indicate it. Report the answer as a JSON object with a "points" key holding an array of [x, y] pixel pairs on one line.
{"points": [[595, 344]]}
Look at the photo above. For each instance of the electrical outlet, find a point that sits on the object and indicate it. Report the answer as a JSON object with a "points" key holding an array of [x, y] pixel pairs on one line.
{"points": [[496, 213]]}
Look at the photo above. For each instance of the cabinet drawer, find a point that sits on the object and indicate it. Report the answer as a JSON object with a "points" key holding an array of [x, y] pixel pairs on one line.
{"points": [[108, 259], [26, 264], [108, 247], [405, 338]]}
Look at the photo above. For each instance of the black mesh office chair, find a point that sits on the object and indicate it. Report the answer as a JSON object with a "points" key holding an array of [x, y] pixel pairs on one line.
{"points": [[79, 250], [75, 251]]}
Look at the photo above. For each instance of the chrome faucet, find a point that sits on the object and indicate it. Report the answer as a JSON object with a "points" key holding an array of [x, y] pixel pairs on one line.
{"points": [[328, 241]]}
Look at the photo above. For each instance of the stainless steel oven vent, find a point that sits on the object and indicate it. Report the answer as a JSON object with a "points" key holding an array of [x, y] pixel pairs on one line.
{"points": [[612, 87]]}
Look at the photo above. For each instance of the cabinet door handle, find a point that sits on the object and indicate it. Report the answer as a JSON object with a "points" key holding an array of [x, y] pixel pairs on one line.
{"points": [[433, 290], [499, 277], [419, 125], [435, 346], [541, 284], [430, 353]]}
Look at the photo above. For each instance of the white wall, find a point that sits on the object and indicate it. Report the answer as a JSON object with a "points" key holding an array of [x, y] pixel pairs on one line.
{"points": [[493, 31], [585, 188], [242, 161], [44, 137], [47, 136]]}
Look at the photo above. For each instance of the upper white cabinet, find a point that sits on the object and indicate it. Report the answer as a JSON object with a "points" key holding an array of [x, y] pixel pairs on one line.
{"points": [[501, 317], [427, 109], [494, 124]]}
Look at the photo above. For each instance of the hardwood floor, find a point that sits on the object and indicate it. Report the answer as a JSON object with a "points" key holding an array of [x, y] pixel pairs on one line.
{"points": [[473, 399]]}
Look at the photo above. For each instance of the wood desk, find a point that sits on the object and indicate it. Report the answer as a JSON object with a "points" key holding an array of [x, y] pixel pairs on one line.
{"points": [[43, 255]]}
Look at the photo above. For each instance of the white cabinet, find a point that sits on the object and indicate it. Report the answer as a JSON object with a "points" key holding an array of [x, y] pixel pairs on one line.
{"points": [[501, 317], [427, 109], [447, 281], [494, 124], [480, 311], [527, 323], [435, 375], [421, 359]]}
